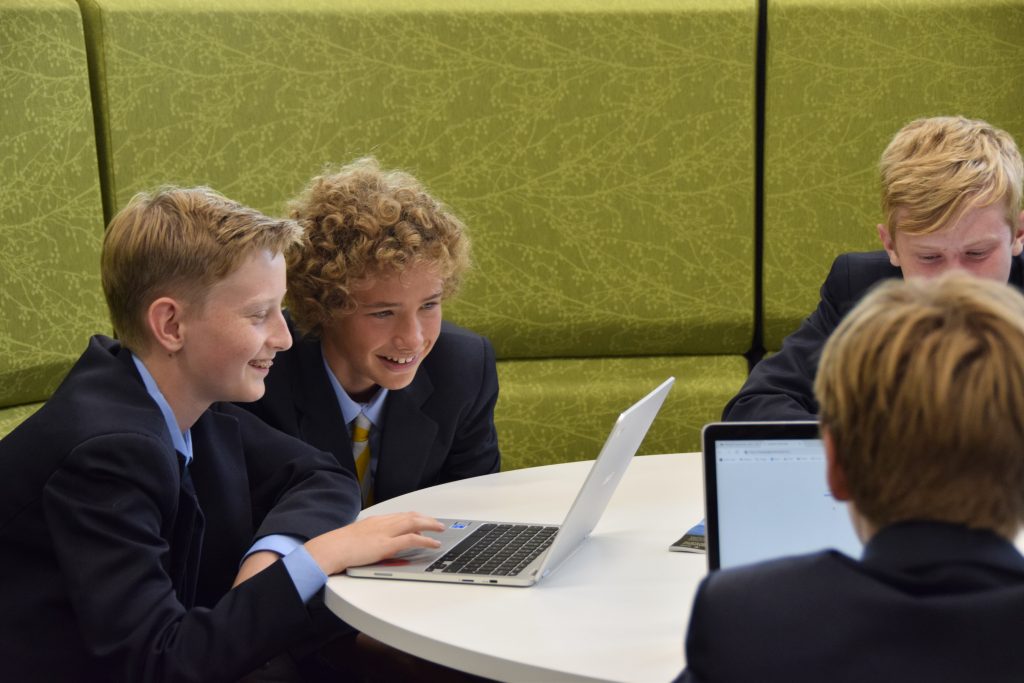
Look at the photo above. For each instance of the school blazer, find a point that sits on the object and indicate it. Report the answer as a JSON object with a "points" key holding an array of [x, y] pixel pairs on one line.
{"points": [[118, 567], [438, 429], [928, 602], [781, 386]]}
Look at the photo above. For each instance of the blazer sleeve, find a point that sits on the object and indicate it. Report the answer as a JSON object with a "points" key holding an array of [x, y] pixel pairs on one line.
{"points": [[474, 450], [296, 489], [698, 644], [781, 386], [111, 509]]}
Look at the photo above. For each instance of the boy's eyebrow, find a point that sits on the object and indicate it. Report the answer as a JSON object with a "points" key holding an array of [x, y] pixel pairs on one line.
{"points": [[395, 304]]}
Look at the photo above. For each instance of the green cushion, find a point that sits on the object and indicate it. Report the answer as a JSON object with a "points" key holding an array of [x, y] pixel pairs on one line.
{"points": [[842, 77], [600, 151], [51, 215], [562, 410], [12, 417]]}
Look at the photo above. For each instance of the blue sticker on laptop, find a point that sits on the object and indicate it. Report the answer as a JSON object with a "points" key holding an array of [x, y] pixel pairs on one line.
{"points": [[459, 525]]}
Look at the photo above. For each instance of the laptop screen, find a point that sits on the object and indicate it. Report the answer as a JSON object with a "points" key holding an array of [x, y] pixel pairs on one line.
{"points": [[766, 494]]}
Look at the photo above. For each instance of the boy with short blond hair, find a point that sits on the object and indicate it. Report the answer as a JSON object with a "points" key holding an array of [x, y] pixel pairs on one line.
{"points": [[921, 390], [951, 200], [403, 399], [142, 520]]}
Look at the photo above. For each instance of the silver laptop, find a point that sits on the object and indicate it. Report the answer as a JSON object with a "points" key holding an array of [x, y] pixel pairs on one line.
{"points": [[509, 554], [766, 496]]}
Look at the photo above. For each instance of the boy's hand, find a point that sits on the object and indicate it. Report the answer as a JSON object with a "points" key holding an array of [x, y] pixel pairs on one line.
{"points": [[372, 539]]}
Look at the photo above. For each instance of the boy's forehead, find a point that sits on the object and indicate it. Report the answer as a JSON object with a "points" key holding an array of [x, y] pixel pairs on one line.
{"points": [[259, 275], [990, 221], [420, 276]]}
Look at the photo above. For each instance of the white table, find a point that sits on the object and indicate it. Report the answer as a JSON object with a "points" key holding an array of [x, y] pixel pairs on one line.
{"points": [[616, 611]]}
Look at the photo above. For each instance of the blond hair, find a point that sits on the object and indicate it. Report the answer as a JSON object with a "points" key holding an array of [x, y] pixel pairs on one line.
{"points": [[360, 221], [922, 389], [179, 242], [935, 169]]}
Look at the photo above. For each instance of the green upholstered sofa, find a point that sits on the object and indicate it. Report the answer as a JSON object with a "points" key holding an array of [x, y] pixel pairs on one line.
{"points": [[600, 152], [51, 216], [603, 153]]}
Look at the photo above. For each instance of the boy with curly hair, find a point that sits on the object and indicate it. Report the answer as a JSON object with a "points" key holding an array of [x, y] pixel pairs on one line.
{"points": [[403, 399]]}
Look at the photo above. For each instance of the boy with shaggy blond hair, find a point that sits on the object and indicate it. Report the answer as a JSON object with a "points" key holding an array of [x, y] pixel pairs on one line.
{"points": [[921, 390], [151, 532], [951, 200]]}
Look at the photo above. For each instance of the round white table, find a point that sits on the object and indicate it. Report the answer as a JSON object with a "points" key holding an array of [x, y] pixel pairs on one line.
{"points": [[615, 611]]}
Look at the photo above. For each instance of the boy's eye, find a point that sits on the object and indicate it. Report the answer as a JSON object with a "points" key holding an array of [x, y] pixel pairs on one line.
{"points": [[977, 254], [929, 258], [260, 315], [430, 305], [380, 314]]}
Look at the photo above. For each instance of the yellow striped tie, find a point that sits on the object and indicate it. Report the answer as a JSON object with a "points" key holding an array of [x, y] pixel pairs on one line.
{"points": [[361, 454]]}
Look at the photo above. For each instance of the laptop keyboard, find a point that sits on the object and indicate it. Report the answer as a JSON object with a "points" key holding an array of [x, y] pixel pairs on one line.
{"points": [[496, 550]]}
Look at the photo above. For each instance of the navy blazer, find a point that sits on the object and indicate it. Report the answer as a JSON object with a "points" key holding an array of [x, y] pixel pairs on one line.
{"points": [[781, 386], [116, 566], [928, 602], [438, 429]]}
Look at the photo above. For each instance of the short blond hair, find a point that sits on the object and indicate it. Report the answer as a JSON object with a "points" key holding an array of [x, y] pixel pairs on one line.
{"points": [[922, 389], [359, 221], [179, 242], [937, 168]]}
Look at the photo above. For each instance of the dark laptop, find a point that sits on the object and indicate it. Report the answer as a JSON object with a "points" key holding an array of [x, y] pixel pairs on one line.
{"points": [[765, 494]]}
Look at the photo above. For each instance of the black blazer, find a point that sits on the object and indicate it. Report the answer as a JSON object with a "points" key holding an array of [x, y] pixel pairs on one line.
{"points": [[438, 429], [928, 602], [781, 386], [117, 567]]}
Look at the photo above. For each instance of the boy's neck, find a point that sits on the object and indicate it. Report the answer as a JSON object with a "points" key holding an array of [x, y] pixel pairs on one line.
{"points": [[168, 378]]}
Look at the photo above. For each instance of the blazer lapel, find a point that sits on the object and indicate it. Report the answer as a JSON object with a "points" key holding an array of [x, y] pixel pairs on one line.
{"points": [[407, 439], [321, 423], [187, 538]]}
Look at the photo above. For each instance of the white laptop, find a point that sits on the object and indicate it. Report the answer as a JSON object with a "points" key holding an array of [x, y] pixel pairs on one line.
{"points": [[510, 554], [766, 496]]}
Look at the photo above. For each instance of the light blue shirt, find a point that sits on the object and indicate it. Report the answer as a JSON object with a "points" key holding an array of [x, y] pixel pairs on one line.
{"points": [[302, 568], [373, 409]]}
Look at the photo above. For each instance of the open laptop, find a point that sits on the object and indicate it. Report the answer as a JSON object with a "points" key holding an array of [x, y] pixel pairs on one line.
{"points": [[477, 552], [765, 494]]}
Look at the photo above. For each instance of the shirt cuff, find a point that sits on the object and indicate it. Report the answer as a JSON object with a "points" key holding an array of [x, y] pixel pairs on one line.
{"points": [[305, 572], [279, 543]]}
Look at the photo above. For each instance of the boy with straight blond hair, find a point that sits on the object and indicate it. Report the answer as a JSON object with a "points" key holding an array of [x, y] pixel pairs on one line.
{"points": [[151, 532], [951, 200], [921, 390], [402, 398]]}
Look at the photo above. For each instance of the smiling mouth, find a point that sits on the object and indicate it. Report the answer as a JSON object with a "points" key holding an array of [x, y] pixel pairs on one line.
{"points": [[262, 364], [401, 360]]}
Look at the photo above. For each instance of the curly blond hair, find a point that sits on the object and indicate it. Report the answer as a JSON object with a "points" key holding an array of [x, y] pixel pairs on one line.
{"points": [[360, 220], [935, 169]]}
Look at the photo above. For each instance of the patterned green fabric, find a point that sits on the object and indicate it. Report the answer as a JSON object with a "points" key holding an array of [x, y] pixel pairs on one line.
{"points": [[561, 410], [601, 151], [51, 216], [842, 77], [12, 417]]}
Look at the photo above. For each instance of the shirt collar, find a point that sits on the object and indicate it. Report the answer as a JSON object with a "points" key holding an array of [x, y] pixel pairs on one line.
{"points": [[350, 409], [182, 441]]}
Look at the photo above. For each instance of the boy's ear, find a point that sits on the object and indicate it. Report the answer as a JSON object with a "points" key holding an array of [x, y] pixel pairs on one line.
{"points": [[1018, 236], [834, 473], [164, 318], [889, 244]]}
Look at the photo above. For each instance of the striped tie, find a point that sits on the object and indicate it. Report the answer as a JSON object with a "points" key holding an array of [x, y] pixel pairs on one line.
{"points": [[361, 454]]}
